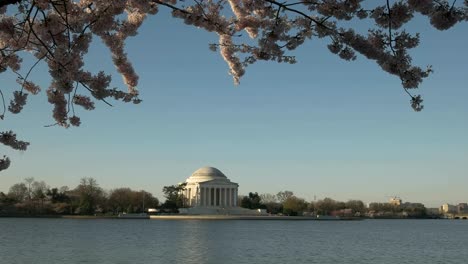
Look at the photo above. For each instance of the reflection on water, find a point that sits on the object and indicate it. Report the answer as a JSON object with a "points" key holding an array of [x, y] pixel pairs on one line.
{"points": [[232, 241]]}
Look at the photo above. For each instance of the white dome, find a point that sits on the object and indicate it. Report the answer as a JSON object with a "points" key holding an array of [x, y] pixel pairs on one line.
{"points": [[206, 174]]}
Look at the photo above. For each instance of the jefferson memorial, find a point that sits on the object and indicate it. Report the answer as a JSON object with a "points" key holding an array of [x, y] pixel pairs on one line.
{"points": [[208, 186], [209, 191]]}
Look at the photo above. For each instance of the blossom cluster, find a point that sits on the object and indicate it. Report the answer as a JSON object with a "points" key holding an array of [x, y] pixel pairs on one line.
{"points": [[60, 32], [8, 138], [4, 163]]}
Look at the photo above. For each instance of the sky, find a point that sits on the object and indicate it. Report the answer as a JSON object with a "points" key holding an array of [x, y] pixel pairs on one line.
{"points": [[321, 128]]}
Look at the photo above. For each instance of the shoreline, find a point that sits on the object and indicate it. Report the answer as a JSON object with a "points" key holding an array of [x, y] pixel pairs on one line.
{"points": [[191, 217], [217, 217], [249, 217]]}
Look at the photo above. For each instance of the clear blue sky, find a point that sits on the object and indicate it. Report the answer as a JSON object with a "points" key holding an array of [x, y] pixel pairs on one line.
{"points": [[321, 127]]}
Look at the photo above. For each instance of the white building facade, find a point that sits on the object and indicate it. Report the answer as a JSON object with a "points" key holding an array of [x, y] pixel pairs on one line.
{"points": [[210, 192], [209, 187]]}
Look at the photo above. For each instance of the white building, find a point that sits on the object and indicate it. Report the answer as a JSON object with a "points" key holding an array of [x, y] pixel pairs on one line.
{"points": [[448, 209], [395, 201], [209, 187], [210, 192]]}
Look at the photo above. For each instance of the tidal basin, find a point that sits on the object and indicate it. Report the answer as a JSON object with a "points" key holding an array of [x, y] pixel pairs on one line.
{"points": [[32, 240]]}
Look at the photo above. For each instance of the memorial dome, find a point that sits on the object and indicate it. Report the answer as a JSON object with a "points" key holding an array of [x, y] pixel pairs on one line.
{"points": [[206, 174]]}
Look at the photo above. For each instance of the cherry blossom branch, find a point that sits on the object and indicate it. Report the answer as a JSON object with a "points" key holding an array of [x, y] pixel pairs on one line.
{"points": [[390, 27], [37, 37], [29, 72], [8, 138], [4, 163], [285, 7], [4, 105]]}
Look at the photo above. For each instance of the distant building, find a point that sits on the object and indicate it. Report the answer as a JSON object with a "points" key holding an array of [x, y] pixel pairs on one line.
{"points": [[448, 209], [210, 192], [209, 187], [395, 201], [462, 208]]}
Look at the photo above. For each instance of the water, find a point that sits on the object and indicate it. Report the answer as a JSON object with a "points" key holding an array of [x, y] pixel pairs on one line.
{"points": [[25, 241]]}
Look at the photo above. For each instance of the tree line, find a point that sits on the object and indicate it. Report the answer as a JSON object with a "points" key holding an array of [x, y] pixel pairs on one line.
{"points": [[286, 203], [33, 197]]}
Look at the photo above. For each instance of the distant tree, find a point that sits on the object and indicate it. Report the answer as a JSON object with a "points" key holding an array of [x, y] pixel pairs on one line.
{"points": [[3, 197], [174, 197], [120, 200], [252, 201], [58, 195], [326, 206], [356, 205], [18, 192], [294, 206], [6, 204], [311, 207], [271, 204], [384, 207], [282, 196], [6, 200], [273, 208], [129, 201], [414, 209], [268, 198], [91, 196], [39, 190], [59, 199], [149, 200], [38, 194], [29, 181]]}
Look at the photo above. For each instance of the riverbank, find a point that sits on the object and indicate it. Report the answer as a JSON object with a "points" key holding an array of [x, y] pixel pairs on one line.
{"points": [[220, 217], [195, 217], [249, 217], [62, 216]]}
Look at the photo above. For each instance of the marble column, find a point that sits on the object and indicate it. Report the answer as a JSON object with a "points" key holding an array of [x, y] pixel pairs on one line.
{"points": [[229, 196], [220, 191], [225, 197], [215, 196], [189, 197], [212, 196], [201, 196], [209, 196], [205, 197], [221, 196]]}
